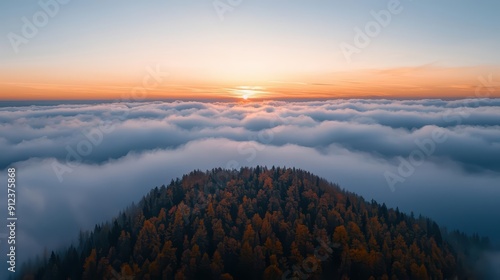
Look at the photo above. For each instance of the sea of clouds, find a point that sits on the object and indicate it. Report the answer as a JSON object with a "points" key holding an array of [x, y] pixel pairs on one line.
{"points": [[80, 164]]}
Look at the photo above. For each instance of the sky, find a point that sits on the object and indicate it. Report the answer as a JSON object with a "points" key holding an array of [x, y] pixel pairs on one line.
{"points": [[74, 49]]}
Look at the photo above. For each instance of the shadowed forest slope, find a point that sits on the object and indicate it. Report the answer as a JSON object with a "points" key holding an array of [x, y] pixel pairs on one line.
{"points": [[257, 223]]}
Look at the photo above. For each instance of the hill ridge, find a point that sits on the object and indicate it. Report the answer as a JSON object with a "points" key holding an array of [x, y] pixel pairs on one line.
{"points": [[256, 223]]}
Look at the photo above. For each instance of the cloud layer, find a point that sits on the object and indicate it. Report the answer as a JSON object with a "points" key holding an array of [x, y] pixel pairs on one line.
{"points": [[381, 128], [72, 158]]}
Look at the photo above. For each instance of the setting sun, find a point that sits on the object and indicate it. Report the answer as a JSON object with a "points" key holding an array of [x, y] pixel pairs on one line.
{"points": [[247, 92]]}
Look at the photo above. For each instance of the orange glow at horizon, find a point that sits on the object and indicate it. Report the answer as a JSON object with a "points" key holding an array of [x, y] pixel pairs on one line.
{"points": [[405, 82]]}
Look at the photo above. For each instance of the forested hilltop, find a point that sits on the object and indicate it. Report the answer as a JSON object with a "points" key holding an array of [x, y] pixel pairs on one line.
{"points": [[258, 223]]}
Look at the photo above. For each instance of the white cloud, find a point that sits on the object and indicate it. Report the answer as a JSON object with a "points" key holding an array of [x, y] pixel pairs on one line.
{"points": [[350, 142]]}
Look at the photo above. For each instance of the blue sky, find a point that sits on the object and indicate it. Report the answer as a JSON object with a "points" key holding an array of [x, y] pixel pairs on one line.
{"points": [[257, 41]]}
